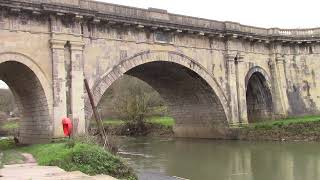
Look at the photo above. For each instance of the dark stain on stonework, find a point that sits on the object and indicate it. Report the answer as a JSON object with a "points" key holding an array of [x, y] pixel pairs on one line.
{"points": [[301, 104], [314, 78], [213, 66], [211, 42], [306, 87], [296, 102]]}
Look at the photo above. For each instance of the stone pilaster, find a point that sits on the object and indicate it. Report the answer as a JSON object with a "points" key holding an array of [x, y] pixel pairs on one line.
{"points": [[59, 86], [280, 63], [77, 87], [233, 94], [241, 89], [276, 64], [277, 105]]}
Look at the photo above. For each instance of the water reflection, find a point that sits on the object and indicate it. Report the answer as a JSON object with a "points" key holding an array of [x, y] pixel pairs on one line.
{"points": [[225, 160]]}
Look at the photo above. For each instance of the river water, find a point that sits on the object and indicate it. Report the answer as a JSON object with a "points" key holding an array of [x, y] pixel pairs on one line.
{"points": [[204, 159]]}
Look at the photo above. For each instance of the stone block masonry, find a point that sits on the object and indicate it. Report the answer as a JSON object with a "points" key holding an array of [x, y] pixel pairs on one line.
{"points": [[212, 74]]}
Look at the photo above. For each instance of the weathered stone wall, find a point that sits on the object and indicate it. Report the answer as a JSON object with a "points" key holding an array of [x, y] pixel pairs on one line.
{"points": [[36, 124], [25, 63], [302, 79], [63, 42]]}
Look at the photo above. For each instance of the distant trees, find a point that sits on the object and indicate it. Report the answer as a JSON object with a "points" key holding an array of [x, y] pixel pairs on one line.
{"points": [[132, 99], [7, 103]]}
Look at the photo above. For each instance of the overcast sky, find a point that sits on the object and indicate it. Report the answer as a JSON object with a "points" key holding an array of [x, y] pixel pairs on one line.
{"points": [[265, 13]]}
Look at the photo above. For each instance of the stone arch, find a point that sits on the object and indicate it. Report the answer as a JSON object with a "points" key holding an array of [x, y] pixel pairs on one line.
{"points": [[258, 95], [166, 60], [32, 93], [260, 70]]}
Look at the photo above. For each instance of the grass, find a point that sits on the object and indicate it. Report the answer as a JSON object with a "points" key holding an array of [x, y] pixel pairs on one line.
{"points": [[113, 122], [87, 158], [12, 157], [164, 121], [9, 153], [72, 156], [6, 144], [10, 125], [284, 122], [10, 128]]}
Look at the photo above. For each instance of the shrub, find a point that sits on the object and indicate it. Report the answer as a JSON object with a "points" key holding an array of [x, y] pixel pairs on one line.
{"points": [[6, 144], [11, 127], [77, 156]]}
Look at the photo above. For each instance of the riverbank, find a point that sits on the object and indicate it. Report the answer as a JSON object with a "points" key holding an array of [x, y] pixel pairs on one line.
{"points": [[305, 128], [153, 126], [68, 155]]}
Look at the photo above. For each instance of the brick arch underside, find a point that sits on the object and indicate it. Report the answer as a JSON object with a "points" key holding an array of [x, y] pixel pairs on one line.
{"points": [[259, 98], [191, 100], [35, 124]]}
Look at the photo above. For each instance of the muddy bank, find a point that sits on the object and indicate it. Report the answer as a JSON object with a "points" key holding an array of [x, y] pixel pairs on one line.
{"points": [[147, 129], [307, 131]]}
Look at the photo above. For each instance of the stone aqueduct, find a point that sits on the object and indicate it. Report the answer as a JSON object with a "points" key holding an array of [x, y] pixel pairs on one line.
{"points": [[211, 74]]}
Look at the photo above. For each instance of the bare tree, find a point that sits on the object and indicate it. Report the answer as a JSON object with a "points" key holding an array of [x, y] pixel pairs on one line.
{"points": [[7, 103], [132, 99]]}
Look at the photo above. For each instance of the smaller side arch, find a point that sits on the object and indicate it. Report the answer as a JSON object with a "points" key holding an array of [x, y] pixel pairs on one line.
{"points": [[33, 96], [27, 61], [259, 100], [258, 69]]}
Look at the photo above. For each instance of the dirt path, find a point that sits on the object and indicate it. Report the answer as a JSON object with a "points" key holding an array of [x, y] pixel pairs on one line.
{"points": [[28, 158]]}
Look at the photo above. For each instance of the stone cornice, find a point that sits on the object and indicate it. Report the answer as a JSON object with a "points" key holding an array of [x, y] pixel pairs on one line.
{"points": [[99, 12], [77, 45], [57, 44]]}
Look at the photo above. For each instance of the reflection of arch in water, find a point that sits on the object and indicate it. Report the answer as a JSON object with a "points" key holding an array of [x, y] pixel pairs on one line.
{"points": [[258, 95], [32, 95], [193, 96]]}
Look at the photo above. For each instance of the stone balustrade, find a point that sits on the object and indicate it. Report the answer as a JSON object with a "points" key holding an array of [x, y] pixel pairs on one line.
{"points": [[161, 19]]}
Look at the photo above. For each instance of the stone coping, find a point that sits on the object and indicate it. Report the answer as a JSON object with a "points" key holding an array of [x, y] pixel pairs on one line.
{"points": [[160, 19]]}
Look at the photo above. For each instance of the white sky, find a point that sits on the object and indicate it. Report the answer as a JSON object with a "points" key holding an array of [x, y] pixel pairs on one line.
{"points": [[264, 13], [267, 13], [3, 85]]}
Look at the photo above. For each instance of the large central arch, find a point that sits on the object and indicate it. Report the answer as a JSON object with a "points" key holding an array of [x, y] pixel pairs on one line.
{"points": [[193, 96], [32, 95]]}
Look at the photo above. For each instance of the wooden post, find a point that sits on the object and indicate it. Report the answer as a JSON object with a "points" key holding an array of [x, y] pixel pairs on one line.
{"points": [[96, 117]]}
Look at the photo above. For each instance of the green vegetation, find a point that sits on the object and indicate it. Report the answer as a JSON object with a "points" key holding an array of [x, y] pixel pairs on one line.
{"points": [[12, 157], [7, 103], [151, 126], [10, 126], [87, 158], [6, 144], [9, 154], [73, 156], [131, 99], [306, 128], [164, 121], [113, 122], [285, 122]]}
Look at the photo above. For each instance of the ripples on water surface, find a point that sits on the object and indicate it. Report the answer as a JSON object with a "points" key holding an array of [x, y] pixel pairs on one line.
{"points": [[200, 159]]}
